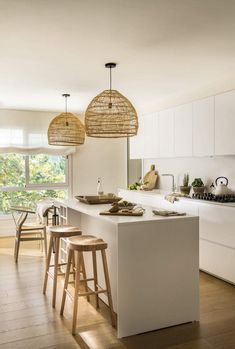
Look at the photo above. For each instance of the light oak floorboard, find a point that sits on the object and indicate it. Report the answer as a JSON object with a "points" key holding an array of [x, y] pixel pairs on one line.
{"points": [[28, 321]]}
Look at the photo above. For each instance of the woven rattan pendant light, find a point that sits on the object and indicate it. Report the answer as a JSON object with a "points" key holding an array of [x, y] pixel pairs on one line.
{"points": [[110, 114], [66, 129]]}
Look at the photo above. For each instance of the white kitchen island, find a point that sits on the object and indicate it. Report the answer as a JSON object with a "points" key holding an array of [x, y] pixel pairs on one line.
{"points": [[153, 265]]}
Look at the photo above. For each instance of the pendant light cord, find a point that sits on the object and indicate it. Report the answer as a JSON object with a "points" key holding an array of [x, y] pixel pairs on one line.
{"points": [[110, 78], [66, 95], [66, 104]]}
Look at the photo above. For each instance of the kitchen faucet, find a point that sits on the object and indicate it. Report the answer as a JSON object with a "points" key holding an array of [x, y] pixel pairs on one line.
{"points": [[173, 180]]}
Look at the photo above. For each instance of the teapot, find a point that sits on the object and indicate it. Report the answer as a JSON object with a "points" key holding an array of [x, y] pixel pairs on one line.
{"points": [[222, 188]]}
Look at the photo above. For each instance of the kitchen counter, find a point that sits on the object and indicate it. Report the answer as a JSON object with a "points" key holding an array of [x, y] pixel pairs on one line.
{"points": [[162, 194], [153, 265]]}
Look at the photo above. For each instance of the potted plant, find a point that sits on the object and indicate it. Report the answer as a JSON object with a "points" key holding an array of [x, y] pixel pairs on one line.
{"points": [[198, 186], [185, 188]]}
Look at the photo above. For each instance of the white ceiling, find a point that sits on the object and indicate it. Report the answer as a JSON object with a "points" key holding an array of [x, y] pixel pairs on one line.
{"points": [[168, 51]]}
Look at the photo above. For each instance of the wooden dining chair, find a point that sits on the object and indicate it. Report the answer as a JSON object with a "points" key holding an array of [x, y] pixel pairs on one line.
{"points": [[28, 231]]}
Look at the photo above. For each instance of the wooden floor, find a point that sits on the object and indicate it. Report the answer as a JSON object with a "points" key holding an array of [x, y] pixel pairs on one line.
{"points": [[28, 321]]}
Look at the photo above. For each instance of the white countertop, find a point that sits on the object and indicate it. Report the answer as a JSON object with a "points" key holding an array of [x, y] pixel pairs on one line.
{"points": [[163, 193], [94, 211]]}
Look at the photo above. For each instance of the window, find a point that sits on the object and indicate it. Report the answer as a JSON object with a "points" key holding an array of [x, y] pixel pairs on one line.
{"points": [[24, 180]]}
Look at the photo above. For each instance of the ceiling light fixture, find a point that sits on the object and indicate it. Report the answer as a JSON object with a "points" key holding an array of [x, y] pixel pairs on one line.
{"points": [[110, 114], [66, 129]]}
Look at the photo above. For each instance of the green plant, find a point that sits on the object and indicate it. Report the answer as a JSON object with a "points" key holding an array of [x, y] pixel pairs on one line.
{"points": [[197, 183], [186, 180]]}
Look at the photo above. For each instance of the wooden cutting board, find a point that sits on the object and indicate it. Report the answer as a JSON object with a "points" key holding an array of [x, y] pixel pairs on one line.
{"points": [[121, 213]]}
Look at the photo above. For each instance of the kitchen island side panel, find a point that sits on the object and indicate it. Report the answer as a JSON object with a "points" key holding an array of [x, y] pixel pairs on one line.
{"points": [[158, 275]]}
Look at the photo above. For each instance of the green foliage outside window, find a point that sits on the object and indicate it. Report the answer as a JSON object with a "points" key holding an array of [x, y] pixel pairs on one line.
{"points": [[46, 169], [43, 170]]}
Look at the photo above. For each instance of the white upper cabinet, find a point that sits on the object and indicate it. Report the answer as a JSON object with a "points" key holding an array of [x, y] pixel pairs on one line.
{"points": [[166, 133], [203, 127], [146, 144], [225, 123], [151, 136], [183, 125]]}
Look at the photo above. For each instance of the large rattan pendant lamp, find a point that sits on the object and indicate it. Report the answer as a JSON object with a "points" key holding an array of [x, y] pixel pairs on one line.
{"points": [[110, 114], [66, 129]]}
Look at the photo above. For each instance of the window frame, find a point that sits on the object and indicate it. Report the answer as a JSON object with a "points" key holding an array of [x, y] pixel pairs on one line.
{"points": [[29, 186]]}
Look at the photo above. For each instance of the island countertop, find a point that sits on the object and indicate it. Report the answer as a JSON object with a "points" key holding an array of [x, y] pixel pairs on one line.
{"points": [[94, 211]]}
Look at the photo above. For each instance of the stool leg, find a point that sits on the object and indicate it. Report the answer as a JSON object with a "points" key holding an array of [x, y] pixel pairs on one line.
{"points": [[55, 271], [73, 266], [107, 281], [47, 265], [83, 269], [45, 240], [70, 255], [95, 277], [76, 291]]}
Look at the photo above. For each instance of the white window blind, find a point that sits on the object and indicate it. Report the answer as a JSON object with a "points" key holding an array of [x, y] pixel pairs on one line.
{"points": [[25, 132]]}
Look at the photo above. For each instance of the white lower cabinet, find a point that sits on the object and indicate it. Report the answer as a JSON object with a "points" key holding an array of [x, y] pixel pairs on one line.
{"points": [[217, 260], [217, 230], [217, 241]]}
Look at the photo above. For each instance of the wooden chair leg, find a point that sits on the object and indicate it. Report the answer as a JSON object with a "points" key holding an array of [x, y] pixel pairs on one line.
{"points": [[95, 277], [70, 256], [47, 265], [107, 281], [45, 240], [56, 261], [17, 246], [83, 270], [76, 291]]}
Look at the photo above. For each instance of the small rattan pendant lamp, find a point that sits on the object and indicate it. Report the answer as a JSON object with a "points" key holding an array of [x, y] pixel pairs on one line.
{"points": [[66, 129], [110, 114]]}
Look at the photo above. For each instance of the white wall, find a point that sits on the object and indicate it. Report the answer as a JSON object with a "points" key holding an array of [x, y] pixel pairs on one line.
{"points": [[105, 158], [208, 168]]}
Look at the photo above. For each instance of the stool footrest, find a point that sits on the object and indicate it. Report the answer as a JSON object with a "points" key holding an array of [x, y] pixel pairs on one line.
{"points": [[82, 280], [92, 292], [59, 265], [82, 294], [58, 274]]}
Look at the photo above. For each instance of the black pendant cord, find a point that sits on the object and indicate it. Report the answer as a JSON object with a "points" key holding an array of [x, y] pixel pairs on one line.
{"points": [[110, 78], [66, 95]]}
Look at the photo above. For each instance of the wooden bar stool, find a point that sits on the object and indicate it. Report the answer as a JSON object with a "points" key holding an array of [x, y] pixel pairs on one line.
{"points": [[56, 234], [76, 247]]}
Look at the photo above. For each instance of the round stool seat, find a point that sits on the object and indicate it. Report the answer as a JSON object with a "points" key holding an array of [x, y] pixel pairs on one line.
{"points": [[64, 231], [86, 243]]}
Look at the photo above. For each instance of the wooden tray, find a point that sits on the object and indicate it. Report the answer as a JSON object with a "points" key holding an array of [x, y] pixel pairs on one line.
{"points": [[121, 213], [96, 199]]}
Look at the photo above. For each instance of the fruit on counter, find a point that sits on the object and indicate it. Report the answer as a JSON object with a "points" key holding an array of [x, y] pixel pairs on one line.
{"points": [[135, 186]]}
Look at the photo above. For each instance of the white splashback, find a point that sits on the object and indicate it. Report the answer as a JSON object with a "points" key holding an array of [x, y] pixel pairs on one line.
{"points": [[208, 168]]}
